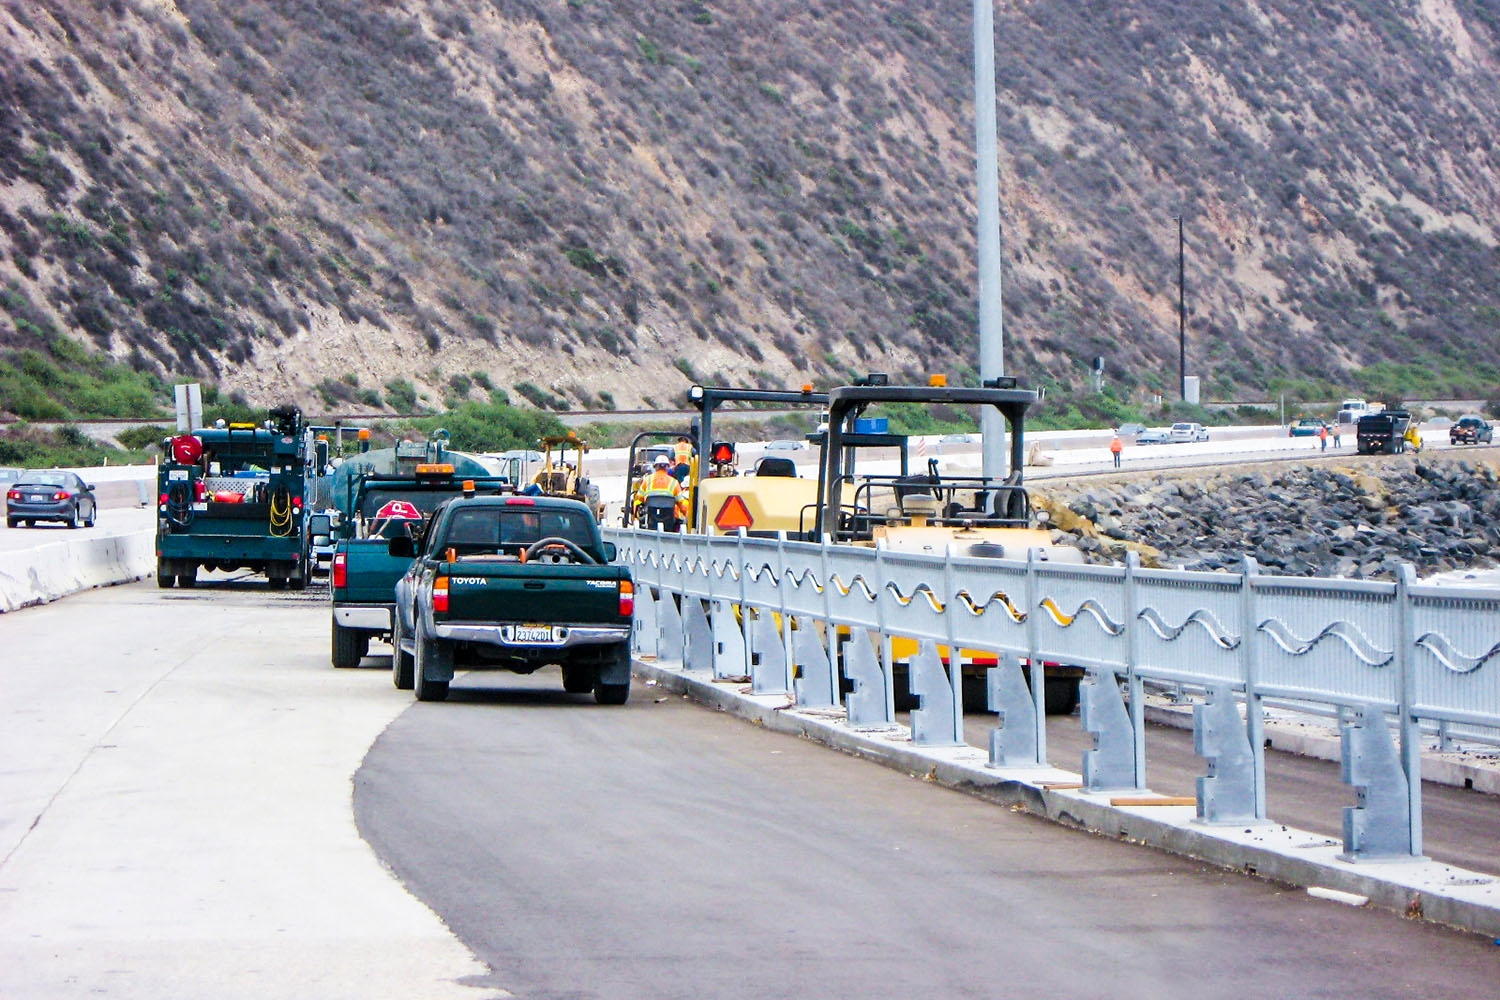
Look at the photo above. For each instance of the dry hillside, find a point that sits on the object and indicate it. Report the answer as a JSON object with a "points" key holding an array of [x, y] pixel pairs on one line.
{"points": [[597, 200]]}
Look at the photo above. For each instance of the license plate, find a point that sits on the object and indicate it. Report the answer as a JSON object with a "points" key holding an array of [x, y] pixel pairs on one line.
{"points": [[533, 633], [34, 498]]}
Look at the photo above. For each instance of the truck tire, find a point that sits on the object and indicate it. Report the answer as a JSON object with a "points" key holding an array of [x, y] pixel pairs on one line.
{"points": [[1060, 695], [579, 678], [189, 579], [612, 694], [402, 663], [431, 653], [346, 646], [164, 577], [615, 694]]}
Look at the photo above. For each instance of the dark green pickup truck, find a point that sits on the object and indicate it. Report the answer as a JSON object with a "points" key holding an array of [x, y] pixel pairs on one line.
{"points": [[362, 577], [513, 583]]}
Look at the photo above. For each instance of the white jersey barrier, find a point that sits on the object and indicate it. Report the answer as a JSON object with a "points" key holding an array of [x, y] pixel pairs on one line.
{"points": [[1368, 649], [45, 573]]}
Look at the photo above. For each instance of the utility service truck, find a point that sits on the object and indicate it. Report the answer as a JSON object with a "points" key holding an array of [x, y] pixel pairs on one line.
{"points": [[231, 497]]}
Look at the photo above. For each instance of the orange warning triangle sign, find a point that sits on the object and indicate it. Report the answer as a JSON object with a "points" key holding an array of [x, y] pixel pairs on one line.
{"points": [[734, 514]]}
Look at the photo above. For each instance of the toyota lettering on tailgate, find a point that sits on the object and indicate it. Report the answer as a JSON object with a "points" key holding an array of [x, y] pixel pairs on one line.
{"points": [[473, 581]]}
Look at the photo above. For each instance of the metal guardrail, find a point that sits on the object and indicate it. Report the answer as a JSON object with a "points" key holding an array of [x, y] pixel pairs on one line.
{"points": [[794, 616]]}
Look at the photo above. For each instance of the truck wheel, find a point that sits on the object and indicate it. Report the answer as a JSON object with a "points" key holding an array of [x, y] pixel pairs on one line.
{"points": [[579, 678], [164, 579], [298, 582], [188, 579], [432, 654], [346, 646], [402, 665], [612, 694], [1060, 695]]}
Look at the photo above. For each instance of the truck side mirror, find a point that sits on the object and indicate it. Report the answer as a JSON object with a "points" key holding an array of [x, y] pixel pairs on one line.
{"points": [[611, 552], [402, 547]]}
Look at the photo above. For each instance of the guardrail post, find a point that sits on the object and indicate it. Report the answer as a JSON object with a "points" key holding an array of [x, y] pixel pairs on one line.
{"points": [[1109, 764], [1013, 743], [1132, 679], [746, 615], [1255, 714], [1411, 728], [1034, 666], [646, 638], [671, 636], [955, 655], [932, 723], [887, 665], [1226, 795], [868, 704], [788, 648], [1379, 828], [831, 631]]}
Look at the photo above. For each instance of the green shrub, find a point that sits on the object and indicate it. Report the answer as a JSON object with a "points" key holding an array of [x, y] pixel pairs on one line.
{"points": [[539, 397], [488, 427], [141, 438], [401, 395]]}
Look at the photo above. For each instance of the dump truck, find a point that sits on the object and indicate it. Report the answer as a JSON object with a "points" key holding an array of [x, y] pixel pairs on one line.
{"points": [[231, 497], [1389, 432]]}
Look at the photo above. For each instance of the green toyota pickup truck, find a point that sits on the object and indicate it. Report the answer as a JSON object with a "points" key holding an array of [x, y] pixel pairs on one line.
{"points": [[512, 583], [362, 577]]}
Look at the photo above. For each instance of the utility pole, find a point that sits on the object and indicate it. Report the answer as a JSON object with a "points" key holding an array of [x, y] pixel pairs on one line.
{"points": [[987, 149], [1181, 313]]}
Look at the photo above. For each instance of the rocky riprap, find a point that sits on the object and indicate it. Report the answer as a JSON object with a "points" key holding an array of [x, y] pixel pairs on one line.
{"points": [[1360, 521]]}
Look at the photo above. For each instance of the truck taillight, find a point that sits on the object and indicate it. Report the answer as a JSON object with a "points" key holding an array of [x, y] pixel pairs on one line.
{"points": [[627, 598], [339, 575], [440, 594]]}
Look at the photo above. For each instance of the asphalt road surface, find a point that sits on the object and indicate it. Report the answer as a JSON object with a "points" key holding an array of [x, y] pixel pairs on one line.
{"points": [[664, 851]]}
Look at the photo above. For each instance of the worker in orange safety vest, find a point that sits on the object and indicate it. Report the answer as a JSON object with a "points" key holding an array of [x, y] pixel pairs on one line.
{"points": [[661, 482]]}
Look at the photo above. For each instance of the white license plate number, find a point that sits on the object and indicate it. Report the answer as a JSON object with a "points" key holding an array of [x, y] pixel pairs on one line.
{"points": [[34, 498], [533, 633]]}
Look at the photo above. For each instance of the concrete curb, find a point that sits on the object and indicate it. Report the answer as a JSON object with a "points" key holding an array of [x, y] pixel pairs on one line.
{"points": [[47, 572], [1427, 889]]}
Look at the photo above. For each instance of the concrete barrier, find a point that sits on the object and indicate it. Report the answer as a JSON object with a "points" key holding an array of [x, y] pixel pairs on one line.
{"points": [[45, 573]]}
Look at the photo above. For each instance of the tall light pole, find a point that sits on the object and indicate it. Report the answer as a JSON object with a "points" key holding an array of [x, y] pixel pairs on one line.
{"points": [[987, 149], [1181, 313]]}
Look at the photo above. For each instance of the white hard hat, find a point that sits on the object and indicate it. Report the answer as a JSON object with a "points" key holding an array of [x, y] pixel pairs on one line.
{"points": [[661, 460]]}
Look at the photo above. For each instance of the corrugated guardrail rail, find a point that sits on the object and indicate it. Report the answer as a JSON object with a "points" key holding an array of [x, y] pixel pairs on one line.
{"points": [[1369, 648]]}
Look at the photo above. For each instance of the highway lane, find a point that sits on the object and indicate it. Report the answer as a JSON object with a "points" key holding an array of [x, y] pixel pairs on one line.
{"points": [[175, 807], [662, 851]]}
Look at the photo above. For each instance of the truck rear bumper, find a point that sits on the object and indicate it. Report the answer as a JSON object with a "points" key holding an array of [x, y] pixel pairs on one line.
{"points": [[498, 635], [371, 618]]}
